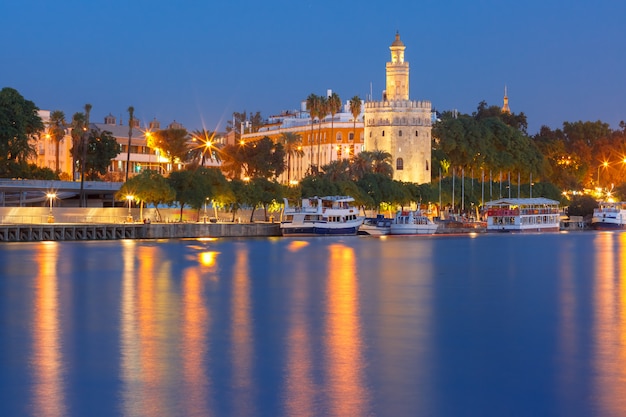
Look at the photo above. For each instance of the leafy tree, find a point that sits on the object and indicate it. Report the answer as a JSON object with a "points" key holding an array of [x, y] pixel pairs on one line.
{"points": [[56, 130], [239, 190], [173, 144], [262, 192], [187, 189], [19, 121], [582, 205], [262, 158], [101, 149], [148, 187]]}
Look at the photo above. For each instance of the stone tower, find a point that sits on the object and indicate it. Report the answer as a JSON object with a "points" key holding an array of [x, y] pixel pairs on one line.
{"points": [[398, 125]]}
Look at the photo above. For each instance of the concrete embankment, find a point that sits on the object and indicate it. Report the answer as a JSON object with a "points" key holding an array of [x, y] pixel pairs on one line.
{"points": [[73, 232]]}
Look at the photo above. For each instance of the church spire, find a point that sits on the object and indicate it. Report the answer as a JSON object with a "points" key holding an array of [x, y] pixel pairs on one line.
{"points": [[505, 107]]}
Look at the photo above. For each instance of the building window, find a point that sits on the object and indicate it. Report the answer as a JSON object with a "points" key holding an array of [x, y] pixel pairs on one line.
{"points": [[370, 133], [383, 133], [339, 138], [400, 133], [399, 164], [427, 165], [417, 133]]}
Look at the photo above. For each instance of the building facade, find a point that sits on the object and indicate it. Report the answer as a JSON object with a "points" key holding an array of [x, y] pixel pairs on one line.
{"points": [[398, 125], [322, 142]]}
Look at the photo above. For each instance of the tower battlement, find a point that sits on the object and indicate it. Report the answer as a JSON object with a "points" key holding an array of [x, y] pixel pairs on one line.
{"points": [[400, 104]]}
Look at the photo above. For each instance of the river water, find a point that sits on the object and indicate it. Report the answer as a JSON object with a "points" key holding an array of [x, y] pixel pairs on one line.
{"points": [[483, 325]]}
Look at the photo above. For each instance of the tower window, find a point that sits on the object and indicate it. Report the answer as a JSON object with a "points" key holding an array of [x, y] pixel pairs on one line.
{"points": [[427, 165], [399, 164], [417, 133], [400, 133], [383, 133]]}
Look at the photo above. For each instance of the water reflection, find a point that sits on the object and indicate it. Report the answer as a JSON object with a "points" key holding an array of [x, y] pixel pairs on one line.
{"points": [[344, 362], [48, 384], [241, 331], [610, 323], [299, 387]]}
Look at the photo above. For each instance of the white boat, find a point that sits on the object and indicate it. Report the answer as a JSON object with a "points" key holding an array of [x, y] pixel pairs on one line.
{"points": [[609, 216], [523, 215], [412, 223], [321, 216], [376, 226]]}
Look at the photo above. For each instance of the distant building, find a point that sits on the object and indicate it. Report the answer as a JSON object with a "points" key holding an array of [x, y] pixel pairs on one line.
{"points": [[400, 126], [46, 149], [332, 139], [505, 106]]}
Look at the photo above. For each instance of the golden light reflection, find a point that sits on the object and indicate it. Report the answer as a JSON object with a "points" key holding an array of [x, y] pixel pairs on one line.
{"points": [[208, 259], [299, 389], [48, 388], [343, 335], [610, 323], [296, 245], [242, 335], [194, 344]]}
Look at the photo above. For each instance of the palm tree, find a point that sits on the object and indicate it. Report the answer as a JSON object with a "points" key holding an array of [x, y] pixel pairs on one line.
{"points": [[291, 142], [205, 140], [83, 141], [355, 109], [131, 112], [312, 106], [56, 130], [361, 165], [322, 111], [381, 162], [334, 106], [78, 125]]}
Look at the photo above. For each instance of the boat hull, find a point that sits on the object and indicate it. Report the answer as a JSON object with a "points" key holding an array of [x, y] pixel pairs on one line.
{"points": [[603, 224], [319, 231], [409, 229]]}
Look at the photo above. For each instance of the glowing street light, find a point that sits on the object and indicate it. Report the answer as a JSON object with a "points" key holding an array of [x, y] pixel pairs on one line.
{"points": [[51, 196]]}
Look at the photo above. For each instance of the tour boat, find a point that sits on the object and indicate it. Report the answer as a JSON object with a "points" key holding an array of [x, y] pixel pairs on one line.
{"points": [[609, 216], [523, 215], [321, 216], [412, 223], [376, 226]]}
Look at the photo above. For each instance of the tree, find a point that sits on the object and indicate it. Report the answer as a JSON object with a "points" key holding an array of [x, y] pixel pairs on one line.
{"points": [[101, 149], [204, 144], [262, 192], [148, 187], [19, 122], [292, 144], [173, 144], [78, 126], [83, 157], [188, 189], [131, 113], [582, 205], [312, 106], [355, 109], [334, 106], [322, 111], [56, 130], [262, 158]]}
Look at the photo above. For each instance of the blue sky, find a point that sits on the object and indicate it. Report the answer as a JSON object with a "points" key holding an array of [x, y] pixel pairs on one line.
{"points": [[198, 61]]}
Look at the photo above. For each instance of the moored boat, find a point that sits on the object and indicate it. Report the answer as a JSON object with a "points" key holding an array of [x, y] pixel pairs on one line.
{"points": [[412, 222], [376, 226], [523, 215], [609, 216], [321, 216]]}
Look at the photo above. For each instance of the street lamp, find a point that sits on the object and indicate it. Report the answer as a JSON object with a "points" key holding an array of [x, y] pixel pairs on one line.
{"points": [[129, 218], [51, 196]]}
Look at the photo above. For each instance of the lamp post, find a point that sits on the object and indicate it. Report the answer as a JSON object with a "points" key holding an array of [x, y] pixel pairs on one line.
{"points": [[51, 196], [129, 218]]}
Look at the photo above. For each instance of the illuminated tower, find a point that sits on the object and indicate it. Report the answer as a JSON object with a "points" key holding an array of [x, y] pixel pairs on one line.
{"points": [[505, 107], [398, 125]]}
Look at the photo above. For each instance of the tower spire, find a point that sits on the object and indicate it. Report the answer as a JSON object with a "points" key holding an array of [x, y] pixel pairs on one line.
{"points": [[505, 107]]}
